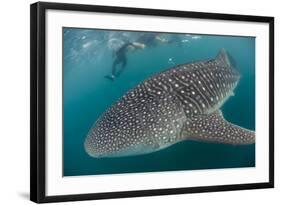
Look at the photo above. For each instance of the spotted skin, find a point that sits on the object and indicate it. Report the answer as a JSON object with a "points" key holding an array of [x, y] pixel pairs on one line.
{"points": [[214, 128], [167, 108]]}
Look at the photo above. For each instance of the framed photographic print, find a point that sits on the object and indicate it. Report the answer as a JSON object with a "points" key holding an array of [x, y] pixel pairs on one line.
{"points": [[129, 102]]}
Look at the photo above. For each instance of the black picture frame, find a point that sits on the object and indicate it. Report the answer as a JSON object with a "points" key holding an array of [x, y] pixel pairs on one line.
{"points": [[38, 100]]}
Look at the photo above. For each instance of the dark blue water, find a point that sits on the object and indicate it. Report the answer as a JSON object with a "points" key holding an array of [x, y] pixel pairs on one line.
{"points": [[88, 57]]}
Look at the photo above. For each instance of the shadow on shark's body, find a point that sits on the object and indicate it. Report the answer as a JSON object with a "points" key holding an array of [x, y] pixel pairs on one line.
{"points": [[181, 103]]}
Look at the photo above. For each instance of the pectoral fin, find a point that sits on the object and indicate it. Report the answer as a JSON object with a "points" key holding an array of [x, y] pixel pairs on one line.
{"points": [[215, 128]]}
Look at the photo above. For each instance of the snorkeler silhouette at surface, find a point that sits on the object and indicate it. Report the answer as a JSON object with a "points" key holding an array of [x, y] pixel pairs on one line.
{"points": [[120, 58], [151, 39], [144, 40]]}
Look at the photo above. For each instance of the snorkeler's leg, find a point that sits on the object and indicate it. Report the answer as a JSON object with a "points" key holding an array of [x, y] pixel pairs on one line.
{"points": [[114, 67], [123, 60], [113, 70]]}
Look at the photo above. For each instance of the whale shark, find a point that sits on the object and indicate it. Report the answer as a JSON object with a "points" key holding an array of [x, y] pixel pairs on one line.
{"points": [[180, 103]]}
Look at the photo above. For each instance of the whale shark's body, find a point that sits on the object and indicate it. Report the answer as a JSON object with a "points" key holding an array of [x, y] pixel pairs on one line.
{"points": [[181, 103]]}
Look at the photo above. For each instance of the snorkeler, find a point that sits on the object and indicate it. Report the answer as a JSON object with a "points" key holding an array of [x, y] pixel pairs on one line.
{"points": [[121, 58], [144, 40]]}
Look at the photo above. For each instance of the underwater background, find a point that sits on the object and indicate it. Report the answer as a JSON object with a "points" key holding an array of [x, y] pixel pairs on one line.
{"points": [[88, 56]]}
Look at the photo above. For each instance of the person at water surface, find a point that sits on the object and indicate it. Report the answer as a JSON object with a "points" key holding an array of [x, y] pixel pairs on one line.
{"points": [[144, 40], [120, 58]]}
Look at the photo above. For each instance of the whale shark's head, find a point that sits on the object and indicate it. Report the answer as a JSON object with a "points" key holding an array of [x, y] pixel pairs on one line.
{"points": [[92, 144]]}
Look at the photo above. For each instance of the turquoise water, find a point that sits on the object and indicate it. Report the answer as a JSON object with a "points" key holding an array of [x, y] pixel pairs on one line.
{"points": [[88, 57]]}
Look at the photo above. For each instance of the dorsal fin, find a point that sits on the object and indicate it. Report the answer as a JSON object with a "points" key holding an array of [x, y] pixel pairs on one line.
{"points": [[223, 58]]}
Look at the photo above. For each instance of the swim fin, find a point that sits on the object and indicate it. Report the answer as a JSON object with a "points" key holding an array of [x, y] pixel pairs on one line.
{"points": [[110, 77]]}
